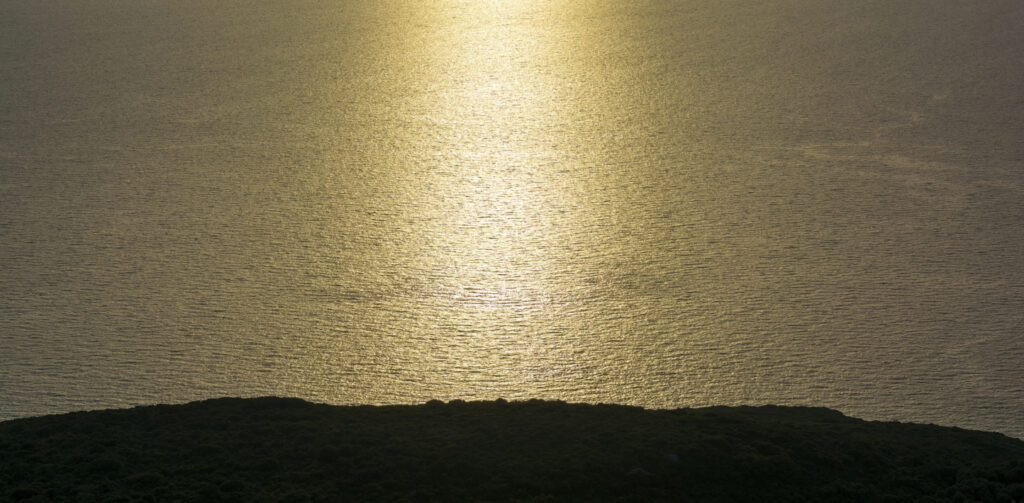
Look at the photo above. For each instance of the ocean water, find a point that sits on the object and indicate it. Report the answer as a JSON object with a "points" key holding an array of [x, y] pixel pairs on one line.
{"points": [[667, 204]]}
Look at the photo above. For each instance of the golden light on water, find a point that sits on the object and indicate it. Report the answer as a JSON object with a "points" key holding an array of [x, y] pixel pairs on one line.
{"points": [[519, 193], [491, 120], [489, 114]]}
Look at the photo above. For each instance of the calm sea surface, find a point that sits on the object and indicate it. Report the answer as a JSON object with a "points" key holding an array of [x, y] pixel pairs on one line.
{"points": [[657, 203]]}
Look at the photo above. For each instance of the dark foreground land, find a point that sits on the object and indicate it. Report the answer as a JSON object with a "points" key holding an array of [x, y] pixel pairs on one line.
{"points": [[274, 449]]}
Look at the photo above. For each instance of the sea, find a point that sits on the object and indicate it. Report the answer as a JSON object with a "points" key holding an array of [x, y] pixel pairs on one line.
{"points": [[658, 203]]}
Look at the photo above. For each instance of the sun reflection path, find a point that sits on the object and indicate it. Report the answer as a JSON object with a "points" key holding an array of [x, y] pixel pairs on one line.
{"points": [[489, 117]]}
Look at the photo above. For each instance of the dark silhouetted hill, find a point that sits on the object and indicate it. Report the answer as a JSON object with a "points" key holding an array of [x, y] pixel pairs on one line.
{"points": [[276, 449]]}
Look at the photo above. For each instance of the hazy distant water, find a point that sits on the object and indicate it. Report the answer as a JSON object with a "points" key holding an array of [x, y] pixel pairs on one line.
{"points": [[657, 203]]}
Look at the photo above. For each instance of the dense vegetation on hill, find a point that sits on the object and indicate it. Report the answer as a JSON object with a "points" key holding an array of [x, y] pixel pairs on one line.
{"points": [[275, 449]]}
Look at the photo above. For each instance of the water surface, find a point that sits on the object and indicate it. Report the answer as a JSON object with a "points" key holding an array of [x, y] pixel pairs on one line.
{"points": [[662, 203]]}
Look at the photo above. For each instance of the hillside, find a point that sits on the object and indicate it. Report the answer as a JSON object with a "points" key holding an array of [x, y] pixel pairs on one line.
{"points": [[279, 449]]}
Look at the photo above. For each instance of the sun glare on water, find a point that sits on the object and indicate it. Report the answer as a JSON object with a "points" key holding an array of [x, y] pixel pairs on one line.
{"points": [[489, 119], [487, 201]]}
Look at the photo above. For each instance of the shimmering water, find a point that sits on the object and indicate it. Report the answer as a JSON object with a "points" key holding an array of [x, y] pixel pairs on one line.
{"points": [[656, 203]]}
